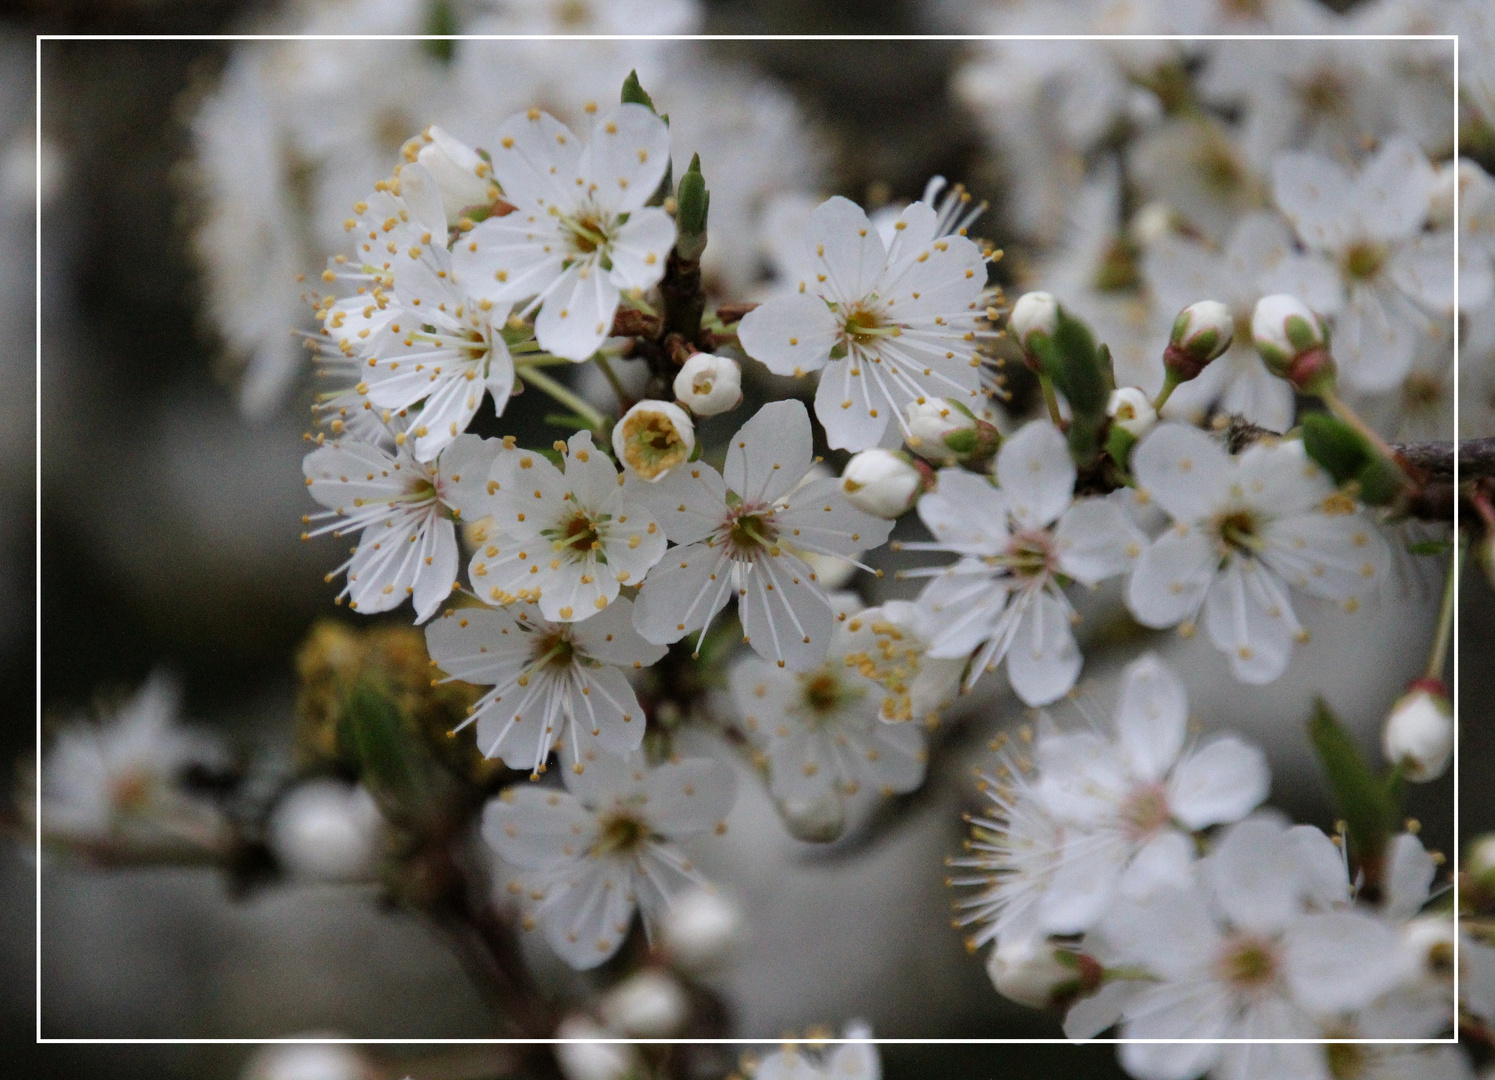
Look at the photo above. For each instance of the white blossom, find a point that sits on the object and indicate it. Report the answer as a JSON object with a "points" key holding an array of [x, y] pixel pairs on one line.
{"points": [[1368, 227], [653, 437], [1004, 598], [1244, 530], [701, 929], [649, 1004], [848, 1061], [709, 384], [888, 325], [405, 512], [884, 483], [733, 530], [821, 730], [605, 846], [580, 234], [551, 681], [563, 540]]}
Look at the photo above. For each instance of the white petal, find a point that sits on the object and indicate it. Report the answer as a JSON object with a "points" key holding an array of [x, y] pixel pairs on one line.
{"points": [[532, 827], [1249, 618], [436, 572], [818, 516], [578, 315], [1425, 269], [609, 636], [1393, 192], [688, 587], [1373, 342], [845, 247], [1256, 875], [586, 919], [690, 796], [1410, 872], [1280, 479], [1170, 579], [1322, 862], [1166, 862], [641, 247], [1311, 191], [535, 161], [1339, 557], [1342, 960], [785, 615], [770, 453], [626, 157], [850, 407], [509, 258], [790, 334], [689, 502], [1043, 661], [1220, 782], [462, 475], [1152, 717], [1036, 473], [1184, 470], [1095, 540], [966, 512]]}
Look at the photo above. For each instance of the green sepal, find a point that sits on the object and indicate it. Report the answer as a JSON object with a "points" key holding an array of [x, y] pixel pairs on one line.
{"points": [[635, 94], [1430, 547], [1368, 804], [1346, 455], [1119, 444]]}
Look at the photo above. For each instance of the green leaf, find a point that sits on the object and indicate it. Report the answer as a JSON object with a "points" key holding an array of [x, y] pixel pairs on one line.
{"points": [[634, 94], [692, 202], [1339, 448], [441, 23], [393, 766], [1368, 805]]}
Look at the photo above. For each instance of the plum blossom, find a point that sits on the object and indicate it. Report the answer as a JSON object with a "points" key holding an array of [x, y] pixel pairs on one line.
{"points": [[580, 234], [854, 1060], [605, 846], [1244, 530], [1368, 230], [1258, 944], [1019, 543], [820, 731], [733, 531], [888, 324], [563, 540], [405, 511], [549, 680]]}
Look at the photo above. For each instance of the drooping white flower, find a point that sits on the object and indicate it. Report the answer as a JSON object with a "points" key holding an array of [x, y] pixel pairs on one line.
{"points": [[603, 847], [563, 540], [732, 532], [1244, 530], [404, 511], [820, 731], [1258, 945], [551, 681], [1419, 733], [888, 325], [701, 929], [122, 779], [417, 336], [1136, 796], [580, 234], [1004, 598], [1368, 228], [846, 1061]]}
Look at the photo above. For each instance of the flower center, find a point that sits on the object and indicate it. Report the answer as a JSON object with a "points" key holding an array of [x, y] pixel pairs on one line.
{"points": [[588, 233], [1363, 260], [1119, 267], [1146, 811], [1239, 532], [621, 832], [1325, 93], [864, 326], [651, 444], [1029, 555], [1219, 168], [1346, 1061], [1248, 963], [130, 791], [573, 13], [751, 534], [825, 695], [578, 536]]}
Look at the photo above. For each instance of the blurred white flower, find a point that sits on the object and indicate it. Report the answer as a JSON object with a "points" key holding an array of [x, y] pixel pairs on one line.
{"points": [[649, 1004], [847, 1061], [1245, 528], [701, 929], [584, 1057], [307, 1061], [325, 830], [603, 848]]}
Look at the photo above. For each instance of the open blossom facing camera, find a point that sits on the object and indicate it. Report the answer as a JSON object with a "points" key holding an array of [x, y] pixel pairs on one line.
{"points": [[1019, 543], [563, 540], [550, 681], [1094, 814], [733, 530], [603, 847], [888, 325], [1257, 944], [580, 234], [1244, 530], [405, 510]]}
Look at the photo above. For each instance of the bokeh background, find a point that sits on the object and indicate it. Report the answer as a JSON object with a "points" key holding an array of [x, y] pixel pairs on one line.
{"points": [[168, 537]]}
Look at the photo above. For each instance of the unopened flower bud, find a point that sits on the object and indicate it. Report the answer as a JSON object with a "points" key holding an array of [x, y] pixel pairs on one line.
{"points": [[816, 820], [1130, 410], [884, 483], [1293, 342], [307, 1061], [944, 431], [709, 384], [1201, 333], [1428, 943], [700, 929], [461, 175], [1034, 313], [653, 437], [1027, 971], [325, 830], [648, 1005], [589, 1060], [1419, 733]]}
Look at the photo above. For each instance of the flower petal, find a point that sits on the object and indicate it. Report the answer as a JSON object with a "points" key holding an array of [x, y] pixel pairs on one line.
{"points": [[578, 314], [1171, 577], [770, 453], [626, 158], [1249, 618], [1151, 717], [1037, 474], [1220, 782], [641, 247], [789, 334], [846, 248], [1043, 661], [1184, 470]]}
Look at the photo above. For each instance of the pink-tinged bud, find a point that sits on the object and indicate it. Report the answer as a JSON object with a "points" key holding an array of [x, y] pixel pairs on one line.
{"points": [[1419, 733], [1293, 342], [1202, 332]]}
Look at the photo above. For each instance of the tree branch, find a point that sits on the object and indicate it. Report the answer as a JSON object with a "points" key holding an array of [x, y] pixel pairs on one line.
{"points": [[1476, 457]]}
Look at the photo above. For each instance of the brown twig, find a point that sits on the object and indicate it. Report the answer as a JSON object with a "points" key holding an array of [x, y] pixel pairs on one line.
{"points": [[1476, 458]]}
